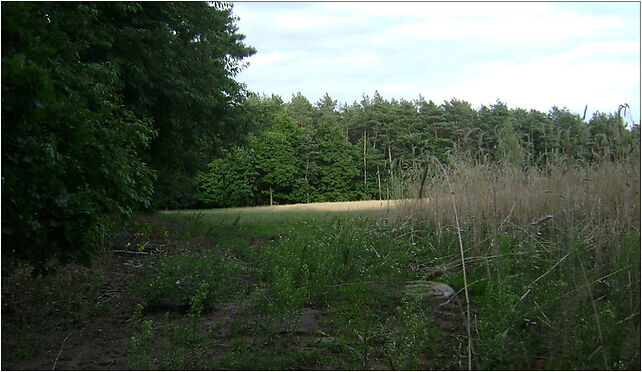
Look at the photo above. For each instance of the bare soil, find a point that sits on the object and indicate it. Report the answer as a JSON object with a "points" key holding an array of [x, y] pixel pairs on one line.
{"points": [[79, 318]]}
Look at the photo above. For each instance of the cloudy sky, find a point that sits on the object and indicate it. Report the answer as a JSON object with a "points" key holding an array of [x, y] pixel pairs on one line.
{"points": [[528, 55]]}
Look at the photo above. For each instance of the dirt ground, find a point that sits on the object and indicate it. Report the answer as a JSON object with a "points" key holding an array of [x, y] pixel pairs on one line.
{"points": [[77, 319], [80, 319]]}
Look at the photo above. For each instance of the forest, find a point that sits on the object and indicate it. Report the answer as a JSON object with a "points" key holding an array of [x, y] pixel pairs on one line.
{"points": [[145, 221], [297, 152]]}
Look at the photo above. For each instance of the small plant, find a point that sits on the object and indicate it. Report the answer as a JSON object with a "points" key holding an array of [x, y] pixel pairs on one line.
{"points": [[285, 298], [411, 336], [139, 353], [199, 300], [177, 282], [134, 321]]}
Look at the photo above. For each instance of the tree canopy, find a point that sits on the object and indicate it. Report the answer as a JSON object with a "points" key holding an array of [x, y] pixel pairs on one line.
{"points": [[373, 148], [108, 107]]}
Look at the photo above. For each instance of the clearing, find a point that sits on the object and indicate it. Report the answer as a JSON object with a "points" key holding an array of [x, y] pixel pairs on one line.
{"points": [[182, 293], [333, 286]]}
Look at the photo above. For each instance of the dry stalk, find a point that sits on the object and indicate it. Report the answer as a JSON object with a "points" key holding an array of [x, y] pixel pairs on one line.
{"points": [[463, 269], [53, 368], [120, 251], [549, 270]]}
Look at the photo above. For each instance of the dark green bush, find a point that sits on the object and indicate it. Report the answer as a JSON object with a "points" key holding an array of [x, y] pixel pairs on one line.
{"points": [[70, 150]]}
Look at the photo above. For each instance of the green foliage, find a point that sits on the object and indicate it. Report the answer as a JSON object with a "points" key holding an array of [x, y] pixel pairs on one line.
{"points": [[508, 144], [230, 181], [338, 172], [609, 138], [71, 150], [276, 153], [300, 110], [192, 284], [374, 148], [98, 98], [177, 64]]}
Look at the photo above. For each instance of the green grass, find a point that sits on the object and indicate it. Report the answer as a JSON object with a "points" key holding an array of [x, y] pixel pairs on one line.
{"points": [[346, 265], [223, 292], [268, 215], [538, 301]]}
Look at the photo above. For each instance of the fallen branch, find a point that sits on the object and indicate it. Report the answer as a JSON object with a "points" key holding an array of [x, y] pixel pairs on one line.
{"points": [[120, 251], [542, 220], [60, 352]]}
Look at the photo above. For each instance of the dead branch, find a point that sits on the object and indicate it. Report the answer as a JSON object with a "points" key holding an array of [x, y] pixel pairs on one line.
{"points": [[120, 251]]}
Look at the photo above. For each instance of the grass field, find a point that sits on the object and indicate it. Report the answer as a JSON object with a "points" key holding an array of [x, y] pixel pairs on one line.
{"points": [[298, 212], [348, 286]]}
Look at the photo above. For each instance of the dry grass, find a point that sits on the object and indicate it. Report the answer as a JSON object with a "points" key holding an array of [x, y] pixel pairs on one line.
{"points": [[351, 206], [606, 194], [582, 219], [330, 206], [293, 213]]}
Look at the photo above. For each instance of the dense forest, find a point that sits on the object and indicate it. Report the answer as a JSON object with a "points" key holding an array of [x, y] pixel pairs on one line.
{"points": [[299, 152], [109, 108]]}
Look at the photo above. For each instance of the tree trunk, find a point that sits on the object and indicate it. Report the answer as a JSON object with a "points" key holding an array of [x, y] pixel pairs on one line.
{"points": [[271, 201], [379, 182], [365, 165], [390, 161]]}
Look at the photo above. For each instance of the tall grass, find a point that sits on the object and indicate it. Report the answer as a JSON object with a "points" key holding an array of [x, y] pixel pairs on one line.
{"points": [[552, 257], [554, 249], [600, 200], [605, 193]]}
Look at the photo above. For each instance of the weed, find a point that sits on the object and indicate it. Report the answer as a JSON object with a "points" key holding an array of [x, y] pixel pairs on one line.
{"points": [[178, 346], [198, 302], [562, 293], [184, 281], [140, 355], [410, 337]]}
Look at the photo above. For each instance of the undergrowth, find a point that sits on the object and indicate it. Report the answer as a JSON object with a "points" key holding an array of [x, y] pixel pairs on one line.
{"points": [[553, 259]]}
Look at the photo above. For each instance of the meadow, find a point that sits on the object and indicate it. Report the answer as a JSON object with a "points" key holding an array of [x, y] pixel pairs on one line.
{"points": [[545, 263], [512, 240]]}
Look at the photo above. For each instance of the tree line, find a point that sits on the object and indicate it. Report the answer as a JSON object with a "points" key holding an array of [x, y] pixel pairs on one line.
{"points": [[299, 152]]}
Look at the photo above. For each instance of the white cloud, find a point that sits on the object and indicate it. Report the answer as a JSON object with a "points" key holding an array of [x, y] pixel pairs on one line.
{"points": [[572, 78], [531, 55], [493, 23], [261, 59], [305, 19]]}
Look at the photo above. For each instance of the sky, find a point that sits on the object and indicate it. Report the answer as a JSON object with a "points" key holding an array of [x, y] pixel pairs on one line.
{"points": [[526, 54]]}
